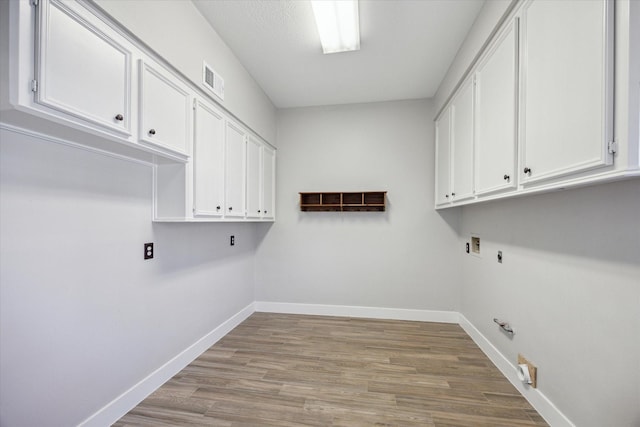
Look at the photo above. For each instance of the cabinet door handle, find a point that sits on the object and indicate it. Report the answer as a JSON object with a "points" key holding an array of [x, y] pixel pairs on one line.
{"points": [[258, 210], [453, 194], [446, 195], [152, 131], [119, 117], [230, 208], [265, 211], [217, 208], [507, 177], [527, 170]]}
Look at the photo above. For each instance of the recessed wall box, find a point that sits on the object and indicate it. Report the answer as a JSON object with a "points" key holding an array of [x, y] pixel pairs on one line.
{"points": [[475, 245]]}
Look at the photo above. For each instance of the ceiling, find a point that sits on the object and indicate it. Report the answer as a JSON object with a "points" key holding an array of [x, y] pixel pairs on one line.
{"points": [[406, 47]]}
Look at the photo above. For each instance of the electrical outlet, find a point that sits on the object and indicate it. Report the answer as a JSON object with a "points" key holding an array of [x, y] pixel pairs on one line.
{"points": [[467, 247], [500, 257], [148, 250], [232, 240]]}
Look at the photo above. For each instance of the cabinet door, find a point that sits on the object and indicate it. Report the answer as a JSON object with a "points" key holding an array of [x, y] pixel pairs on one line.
{"points": [[235, 163], [164, 110], [82, 71], [254, 164], [462, 143], [208, 161], [443, 157], [268, 182], [566, 87], [496, 115]]}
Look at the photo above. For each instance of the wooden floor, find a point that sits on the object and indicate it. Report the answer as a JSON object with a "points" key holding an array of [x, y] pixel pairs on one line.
{"points": [[292, 370]]}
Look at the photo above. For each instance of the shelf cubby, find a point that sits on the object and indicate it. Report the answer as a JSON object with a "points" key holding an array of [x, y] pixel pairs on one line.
{"points": [[363, 201]]}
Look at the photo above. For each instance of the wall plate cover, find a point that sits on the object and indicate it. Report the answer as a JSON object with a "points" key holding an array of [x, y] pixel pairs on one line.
{"points": [[148, 250]]}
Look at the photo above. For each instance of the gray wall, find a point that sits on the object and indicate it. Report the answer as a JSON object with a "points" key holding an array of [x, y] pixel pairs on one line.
{"points": [[569, 285], [403, 258], [82, 316]]}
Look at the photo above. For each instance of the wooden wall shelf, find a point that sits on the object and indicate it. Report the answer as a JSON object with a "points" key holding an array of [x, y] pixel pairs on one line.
{"points": [[368, 201]]}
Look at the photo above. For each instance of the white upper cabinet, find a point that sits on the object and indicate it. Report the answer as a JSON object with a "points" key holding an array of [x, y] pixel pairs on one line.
{"points": [[254, 176], [462, 143], [82, 70], [208, 161], [165, 108], [536, 109], [268, 182], [443, 158], [496, 89], [70, 64], [235, 172], [230, 177], [566, 106]]}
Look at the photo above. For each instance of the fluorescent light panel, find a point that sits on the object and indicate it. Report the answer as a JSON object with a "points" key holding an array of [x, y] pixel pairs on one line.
{"points": [[338, 24]]}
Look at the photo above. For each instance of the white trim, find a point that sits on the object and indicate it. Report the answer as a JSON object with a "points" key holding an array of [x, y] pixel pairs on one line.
{"points": [[539, 401], [114, 410], [122, 404], [358, 311]]}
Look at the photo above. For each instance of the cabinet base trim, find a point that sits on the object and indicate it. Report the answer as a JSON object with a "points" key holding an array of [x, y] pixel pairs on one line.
{"points": [[580, 182], [215, 220]]}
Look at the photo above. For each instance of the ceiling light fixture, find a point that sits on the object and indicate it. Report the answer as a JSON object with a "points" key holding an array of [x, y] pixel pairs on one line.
{"points": [[338, 24]]}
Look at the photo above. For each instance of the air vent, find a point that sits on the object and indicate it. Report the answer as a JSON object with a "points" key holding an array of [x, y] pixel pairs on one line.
{"points": [[212, 80]]}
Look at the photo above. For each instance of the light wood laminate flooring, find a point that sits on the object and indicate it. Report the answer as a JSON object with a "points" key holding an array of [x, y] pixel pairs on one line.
{"points": [[294, 370]]}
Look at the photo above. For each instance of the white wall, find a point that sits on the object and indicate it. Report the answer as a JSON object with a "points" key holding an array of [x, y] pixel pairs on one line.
{"points": [[177, 31], [403, 258], [569, 285], [82, 316]]}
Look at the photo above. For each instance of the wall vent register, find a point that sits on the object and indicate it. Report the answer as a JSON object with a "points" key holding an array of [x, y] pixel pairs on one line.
{"points": [[212, 80], [368, 201]]}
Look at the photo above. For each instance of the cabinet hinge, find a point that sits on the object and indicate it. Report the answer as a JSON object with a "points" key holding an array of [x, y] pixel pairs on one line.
{"points": [[33, 3], [34, 85], [612, 147]]}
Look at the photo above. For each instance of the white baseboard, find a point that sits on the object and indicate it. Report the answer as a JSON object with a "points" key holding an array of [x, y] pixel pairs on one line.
{"points": [[136, 394], [129, 399], [539, 401], [358, 311]]}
